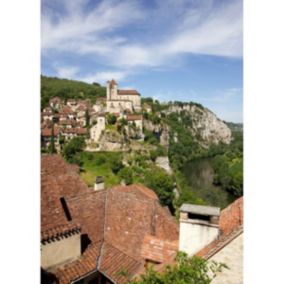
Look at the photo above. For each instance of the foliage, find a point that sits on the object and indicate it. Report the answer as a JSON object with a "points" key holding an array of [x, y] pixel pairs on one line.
{"points": [[51, 147], [158, 152], [87, 117], [68, 89], [183, 147], [162, 183], [150, 137], [100, 164], [71, 150], [126, 174], [111, 119], [116, 166], [187, 270], [228, 167]]}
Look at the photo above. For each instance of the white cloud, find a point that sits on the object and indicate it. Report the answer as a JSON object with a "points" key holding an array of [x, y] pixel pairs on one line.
{"points": [[204, 28], [102, 77], [67, 72]]}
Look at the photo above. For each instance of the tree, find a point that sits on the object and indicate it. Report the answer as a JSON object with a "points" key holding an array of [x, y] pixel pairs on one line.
{"points": [[87, 117], [126, 174], [51, 148], [111, 119], [71, 150], [194, 270], [158, 180]]}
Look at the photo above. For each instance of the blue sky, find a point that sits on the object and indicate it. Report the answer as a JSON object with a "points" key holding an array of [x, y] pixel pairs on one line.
{"points": [[187, 50]]}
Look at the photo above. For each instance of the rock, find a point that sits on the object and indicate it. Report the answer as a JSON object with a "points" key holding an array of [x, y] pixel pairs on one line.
{"points": [[164, 163]]}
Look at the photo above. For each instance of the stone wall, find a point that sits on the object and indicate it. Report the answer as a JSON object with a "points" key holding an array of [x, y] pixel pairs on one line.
{"points": [[60, 251]]}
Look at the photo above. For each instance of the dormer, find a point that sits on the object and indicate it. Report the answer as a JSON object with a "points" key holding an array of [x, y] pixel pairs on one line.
{"points": [[199, 226]]}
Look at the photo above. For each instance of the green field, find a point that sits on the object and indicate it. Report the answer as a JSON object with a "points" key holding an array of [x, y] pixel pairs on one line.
{"points": [[99, 164]]}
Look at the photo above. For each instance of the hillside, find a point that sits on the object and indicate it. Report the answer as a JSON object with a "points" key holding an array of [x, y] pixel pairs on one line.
{"points": [[68, 89], [174, 135]]}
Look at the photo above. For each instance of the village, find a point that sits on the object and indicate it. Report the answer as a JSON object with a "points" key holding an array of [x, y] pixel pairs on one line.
{"points": [[64, 120]]}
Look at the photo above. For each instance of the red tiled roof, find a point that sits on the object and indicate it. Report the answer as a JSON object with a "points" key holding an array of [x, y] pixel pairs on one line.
{"points": [[81, 131], [128, 92], [119, 218], [158, 250], [66, 110], [231, 226], [133, 117], [47, 132], [76, 269]]}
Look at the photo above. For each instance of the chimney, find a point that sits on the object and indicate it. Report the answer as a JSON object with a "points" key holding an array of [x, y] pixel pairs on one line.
{"points": [[199, 226], [99, 183]]}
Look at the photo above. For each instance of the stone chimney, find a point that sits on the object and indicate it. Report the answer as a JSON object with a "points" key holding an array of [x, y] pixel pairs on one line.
{"points": [[199, 226], [99, 183]]}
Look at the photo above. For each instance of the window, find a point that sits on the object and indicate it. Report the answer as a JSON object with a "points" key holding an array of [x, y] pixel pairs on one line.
{"points": [[65, 209]]}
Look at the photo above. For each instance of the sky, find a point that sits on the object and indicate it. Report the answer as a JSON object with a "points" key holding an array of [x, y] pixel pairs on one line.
{"points": [[185, 50]]}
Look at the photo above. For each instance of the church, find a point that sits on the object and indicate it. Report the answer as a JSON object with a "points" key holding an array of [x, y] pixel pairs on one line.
{"points": [[119, 101]]}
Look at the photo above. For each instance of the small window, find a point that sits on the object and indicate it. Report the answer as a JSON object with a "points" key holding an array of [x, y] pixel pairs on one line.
{"points": [[199, 217], [65, 209]]}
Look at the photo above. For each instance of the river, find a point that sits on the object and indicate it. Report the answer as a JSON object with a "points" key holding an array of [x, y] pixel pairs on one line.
{"points": [[200, 175]]}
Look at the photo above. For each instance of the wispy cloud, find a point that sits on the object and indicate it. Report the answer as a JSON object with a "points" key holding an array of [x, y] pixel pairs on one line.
{"points": [[66, 71], [203, 27], [102, 77]]}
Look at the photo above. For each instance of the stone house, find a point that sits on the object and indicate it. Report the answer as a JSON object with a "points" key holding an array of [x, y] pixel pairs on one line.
{"points": [[46, 134], [120, 100], [55, 102], [135, 124], [215, 235], [97, 129]]}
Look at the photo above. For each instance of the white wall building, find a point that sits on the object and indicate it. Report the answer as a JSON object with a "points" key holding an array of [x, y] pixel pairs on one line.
{"points": [[199, 226]]}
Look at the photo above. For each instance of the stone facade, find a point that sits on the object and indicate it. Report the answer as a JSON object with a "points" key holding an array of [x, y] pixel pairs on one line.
{"points": [[60, 251], [97, 130], [122, 100]]}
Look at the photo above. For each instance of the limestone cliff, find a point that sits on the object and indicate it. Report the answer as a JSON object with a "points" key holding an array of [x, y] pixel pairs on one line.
{"points": [[204, 125]]}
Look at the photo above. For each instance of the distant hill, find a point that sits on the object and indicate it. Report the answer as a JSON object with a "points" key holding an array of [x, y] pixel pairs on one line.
{"points": [[67, 89], [235, 126]]}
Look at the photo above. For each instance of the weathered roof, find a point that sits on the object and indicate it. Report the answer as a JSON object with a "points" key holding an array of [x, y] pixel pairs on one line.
{"points": [[133, 117], [128, 92], [116, 221], [200, 209], [231, 226]]}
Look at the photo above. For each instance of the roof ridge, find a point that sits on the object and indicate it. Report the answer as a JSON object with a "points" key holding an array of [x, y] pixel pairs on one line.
{"points": [[103, 240], [224, 240]]}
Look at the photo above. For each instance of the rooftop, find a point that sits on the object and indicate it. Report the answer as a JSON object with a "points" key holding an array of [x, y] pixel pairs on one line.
{"points": [[200, 209], [116, 221]]}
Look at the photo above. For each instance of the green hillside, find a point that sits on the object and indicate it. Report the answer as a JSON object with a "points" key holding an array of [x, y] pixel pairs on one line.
{"points": [[67, 89]]}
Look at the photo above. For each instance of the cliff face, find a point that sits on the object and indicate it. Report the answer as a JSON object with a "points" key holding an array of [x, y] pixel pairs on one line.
{"points": [[205, 126], [210, 128]]}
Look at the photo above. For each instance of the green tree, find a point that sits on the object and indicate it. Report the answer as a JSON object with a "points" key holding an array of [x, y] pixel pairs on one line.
{"points": [[187, 270], [72, 149], [126, 174], [87, 117], [51, 147], [163, 184], [111, 119]]}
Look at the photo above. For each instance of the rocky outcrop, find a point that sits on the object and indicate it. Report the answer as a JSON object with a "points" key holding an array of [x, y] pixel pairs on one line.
{"points": [[206, 127], [209, 127], [164, 163]]}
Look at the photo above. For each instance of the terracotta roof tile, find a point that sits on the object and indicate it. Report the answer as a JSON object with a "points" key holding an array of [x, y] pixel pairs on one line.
{"points": [[119, 218], [132, 117], [128, 92], [231, 225]]}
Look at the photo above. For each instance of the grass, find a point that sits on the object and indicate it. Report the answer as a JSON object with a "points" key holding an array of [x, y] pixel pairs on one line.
{"points": [[99, 164]]}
